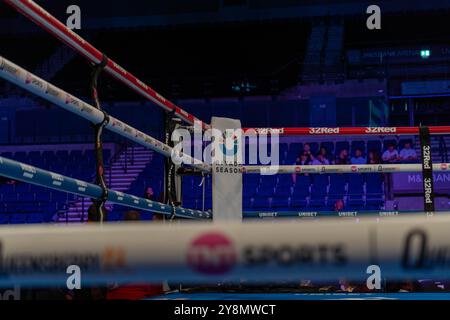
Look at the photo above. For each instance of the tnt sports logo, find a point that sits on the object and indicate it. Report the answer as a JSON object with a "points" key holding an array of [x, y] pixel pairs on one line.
{"points": [[229, 137], [354, 168], [444, 166], [212, 254]]}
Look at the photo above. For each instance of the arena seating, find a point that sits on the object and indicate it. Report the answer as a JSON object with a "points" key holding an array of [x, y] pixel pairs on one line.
{"points": [[25, 203], [22, 203], [281, 193]]}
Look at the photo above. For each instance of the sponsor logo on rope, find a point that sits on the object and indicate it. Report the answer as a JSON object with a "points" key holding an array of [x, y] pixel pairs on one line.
{"points": [[381, 130], [51, 90], [120, 195], [57, 179], [128, 129], [27, 263], [30, 79], [81, 185], [444, 166], [28, 171], [267, 131], [122, 70], [323, 130], [212, 254], [418, 252], [8, 67], [288, 255]]}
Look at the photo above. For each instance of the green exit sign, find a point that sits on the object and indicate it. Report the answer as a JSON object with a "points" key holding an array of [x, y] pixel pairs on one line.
{"points": [[425, 54]]}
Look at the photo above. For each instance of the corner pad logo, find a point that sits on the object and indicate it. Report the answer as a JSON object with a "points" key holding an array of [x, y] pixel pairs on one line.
{"points": [[232, 137], [211, 253]]}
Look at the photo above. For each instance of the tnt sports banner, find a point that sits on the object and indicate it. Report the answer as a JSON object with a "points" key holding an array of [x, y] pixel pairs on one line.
{"points": [[226, 169]]}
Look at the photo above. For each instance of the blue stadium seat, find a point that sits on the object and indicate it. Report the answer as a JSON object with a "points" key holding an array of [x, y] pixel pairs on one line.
{"points": [[284, 147], [7, 155], [285, 180], [21, 156], [297, 203], [43, 196], [35, 218], [268, 181], [261, 203], [18, 218], [146, 216], [337, 187], [317, 201], [280, 203], [283, 191], [355, 184], [246, 202], [355, 201], [267, 191], [4, 218]]}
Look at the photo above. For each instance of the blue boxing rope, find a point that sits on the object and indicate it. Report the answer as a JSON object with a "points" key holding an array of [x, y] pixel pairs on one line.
{"points": [[29, 174]]}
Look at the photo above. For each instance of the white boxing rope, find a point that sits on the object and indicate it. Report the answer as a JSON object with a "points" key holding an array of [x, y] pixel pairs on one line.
{"points": [[356, 168], [402, 247], [30, 82]]}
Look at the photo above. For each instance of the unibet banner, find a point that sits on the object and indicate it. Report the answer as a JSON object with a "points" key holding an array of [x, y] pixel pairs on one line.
{"points": [[226, 169]]}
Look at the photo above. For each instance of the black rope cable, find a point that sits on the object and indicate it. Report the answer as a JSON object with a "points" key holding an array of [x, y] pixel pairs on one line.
{"points": [[170, 192], [98, 130]]}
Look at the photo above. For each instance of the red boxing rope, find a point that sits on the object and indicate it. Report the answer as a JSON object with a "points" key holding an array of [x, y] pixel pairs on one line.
{"points": [[45, 20], [347, 131]]}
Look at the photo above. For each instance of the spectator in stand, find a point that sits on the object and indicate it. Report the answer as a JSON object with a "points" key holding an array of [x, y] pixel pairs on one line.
{"points": [[324, 152], [391, 154], [373, 157], [4, 180], [150, 195], [339, 205], [408, 154], [358, 158], [302, 160], [342, 158], [320, 160], [134, 291], [307, 152]]}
